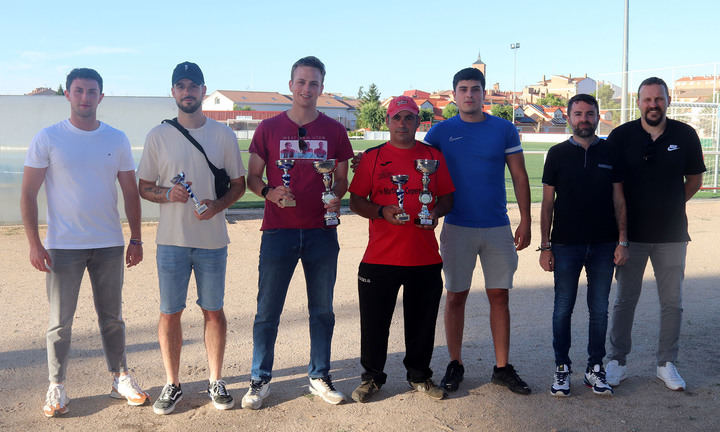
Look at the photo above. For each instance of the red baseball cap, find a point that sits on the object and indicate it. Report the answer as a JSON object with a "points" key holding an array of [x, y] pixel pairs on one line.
{"points": [[402, 103]]}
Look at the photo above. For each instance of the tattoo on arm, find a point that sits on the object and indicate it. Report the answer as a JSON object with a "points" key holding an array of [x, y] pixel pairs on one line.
{"points": [[152, 192]]}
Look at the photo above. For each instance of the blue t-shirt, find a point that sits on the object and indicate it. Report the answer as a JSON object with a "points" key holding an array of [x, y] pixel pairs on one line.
{"points": [[475, 154]]}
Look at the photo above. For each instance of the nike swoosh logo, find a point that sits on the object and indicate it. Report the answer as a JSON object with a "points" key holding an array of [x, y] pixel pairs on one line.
{"points": [[672, 147], [451, 139]]}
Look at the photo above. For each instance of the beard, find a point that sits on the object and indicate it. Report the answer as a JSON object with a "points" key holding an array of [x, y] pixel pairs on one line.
{"points": [[584, 131], [653, 122], [189, 109]]}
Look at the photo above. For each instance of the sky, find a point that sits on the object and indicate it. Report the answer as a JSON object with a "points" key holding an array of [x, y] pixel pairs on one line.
{"points": [[251, 45]]}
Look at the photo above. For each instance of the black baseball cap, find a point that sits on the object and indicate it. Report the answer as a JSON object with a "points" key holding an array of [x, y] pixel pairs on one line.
{"points": [[190, 71]]}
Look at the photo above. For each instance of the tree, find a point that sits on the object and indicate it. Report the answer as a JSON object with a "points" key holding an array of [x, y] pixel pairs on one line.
{"points": [[552, 100], [605, 99], [60, 91], [237, 107], [426, 115], [370, 113], [450, 110], [371, 95], [503, 111]]}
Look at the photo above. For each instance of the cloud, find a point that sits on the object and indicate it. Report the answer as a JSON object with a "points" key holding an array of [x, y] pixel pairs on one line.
{"points": [[39, 56]]}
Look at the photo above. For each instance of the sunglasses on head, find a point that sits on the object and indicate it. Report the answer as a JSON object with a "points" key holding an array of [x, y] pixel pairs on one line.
{"points": [[301, 134]]}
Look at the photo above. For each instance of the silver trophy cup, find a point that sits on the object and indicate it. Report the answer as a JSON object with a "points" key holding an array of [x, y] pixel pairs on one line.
{"points": [[326, 168], [426, 167], [285, 165], [200, 208], [400, 180]]}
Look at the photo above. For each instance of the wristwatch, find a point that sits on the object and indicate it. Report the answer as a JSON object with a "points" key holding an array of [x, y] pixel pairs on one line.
{"points": [[624, 244], [265, 191]]}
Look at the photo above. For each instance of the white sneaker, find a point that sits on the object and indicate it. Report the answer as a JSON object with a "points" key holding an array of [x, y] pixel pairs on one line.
{"points": [[615, 373], [125, 387], [561, 381], [324, 388], [56, 401], [255, 395], [670, 376]]}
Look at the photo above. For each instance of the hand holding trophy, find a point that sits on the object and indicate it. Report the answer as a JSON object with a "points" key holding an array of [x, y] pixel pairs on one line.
{"points": [[180, 179], [400, 180], [326, 168], [285, 165]]}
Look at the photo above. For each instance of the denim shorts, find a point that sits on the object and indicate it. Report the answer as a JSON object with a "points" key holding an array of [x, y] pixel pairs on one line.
{"points": [[175, 263]]}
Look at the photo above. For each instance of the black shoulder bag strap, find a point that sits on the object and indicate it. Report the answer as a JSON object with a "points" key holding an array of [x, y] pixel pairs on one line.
{"points": [[194, 142]]}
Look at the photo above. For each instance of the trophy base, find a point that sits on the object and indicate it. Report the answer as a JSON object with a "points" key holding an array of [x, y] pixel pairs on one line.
{"points": [[202, 208], [288, 203], [332, 222], [404, 217], [424, 221]]}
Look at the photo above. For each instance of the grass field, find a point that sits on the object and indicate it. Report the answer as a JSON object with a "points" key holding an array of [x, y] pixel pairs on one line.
{"points": [[533, 164]]}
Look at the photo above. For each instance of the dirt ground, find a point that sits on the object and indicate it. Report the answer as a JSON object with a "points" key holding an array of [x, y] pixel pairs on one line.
{"points": [[641, 403]]}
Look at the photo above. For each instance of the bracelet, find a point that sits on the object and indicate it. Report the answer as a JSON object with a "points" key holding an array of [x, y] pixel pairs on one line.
{"points": [[380, 212], [544, 247], [136, 242], [624, 244], [167, 194]]}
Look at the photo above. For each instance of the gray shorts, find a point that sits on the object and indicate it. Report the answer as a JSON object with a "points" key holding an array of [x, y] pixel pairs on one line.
{"points": [[460, 246]]}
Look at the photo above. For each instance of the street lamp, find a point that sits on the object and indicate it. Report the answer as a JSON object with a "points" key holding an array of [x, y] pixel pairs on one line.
{"points": [[514, 47]]}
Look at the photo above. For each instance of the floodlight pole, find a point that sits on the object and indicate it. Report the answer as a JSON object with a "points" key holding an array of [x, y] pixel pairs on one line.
{"points": [[623, 98], [514, 47]]}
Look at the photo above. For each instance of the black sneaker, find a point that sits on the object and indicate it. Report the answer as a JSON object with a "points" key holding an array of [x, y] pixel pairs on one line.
{"points": [[219, 395], [509, 378], [169, 397], [366, 389], [453, 376]]}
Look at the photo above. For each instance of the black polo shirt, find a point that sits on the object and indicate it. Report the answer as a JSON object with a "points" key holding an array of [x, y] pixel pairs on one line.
{"points": [[654, 178], [583, 211]]}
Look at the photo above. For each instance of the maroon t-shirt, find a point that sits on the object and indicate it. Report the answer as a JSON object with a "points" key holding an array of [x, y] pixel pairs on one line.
{"points": [[270, 143]]}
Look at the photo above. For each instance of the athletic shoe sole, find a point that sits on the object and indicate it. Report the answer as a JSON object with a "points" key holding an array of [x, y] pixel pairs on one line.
{"points": [[559, 392], [168, 410], [322, 395], [116, 395]]}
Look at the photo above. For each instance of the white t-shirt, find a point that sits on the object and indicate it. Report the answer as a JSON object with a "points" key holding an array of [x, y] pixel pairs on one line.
{"points": [[80, 183], [166, 153]]}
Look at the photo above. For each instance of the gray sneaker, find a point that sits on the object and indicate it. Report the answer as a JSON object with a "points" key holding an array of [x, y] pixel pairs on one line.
{"points": [[366, 389], [429, 388], [256, 394]]}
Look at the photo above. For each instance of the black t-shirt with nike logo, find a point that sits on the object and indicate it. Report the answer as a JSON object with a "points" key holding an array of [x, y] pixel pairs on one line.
{"points": [[654, 178]]}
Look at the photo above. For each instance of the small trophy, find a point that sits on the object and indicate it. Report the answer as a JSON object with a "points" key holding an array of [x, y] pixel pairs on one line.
{"points": [[426, 167], [326, 168], [400, 180], [285, 165], [180, 179]]}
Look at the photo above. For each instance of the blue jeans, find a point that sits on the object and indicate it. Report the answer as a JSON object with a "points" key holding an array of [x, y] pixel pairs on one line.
{"points": [[598, 262], [280, 251]]}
